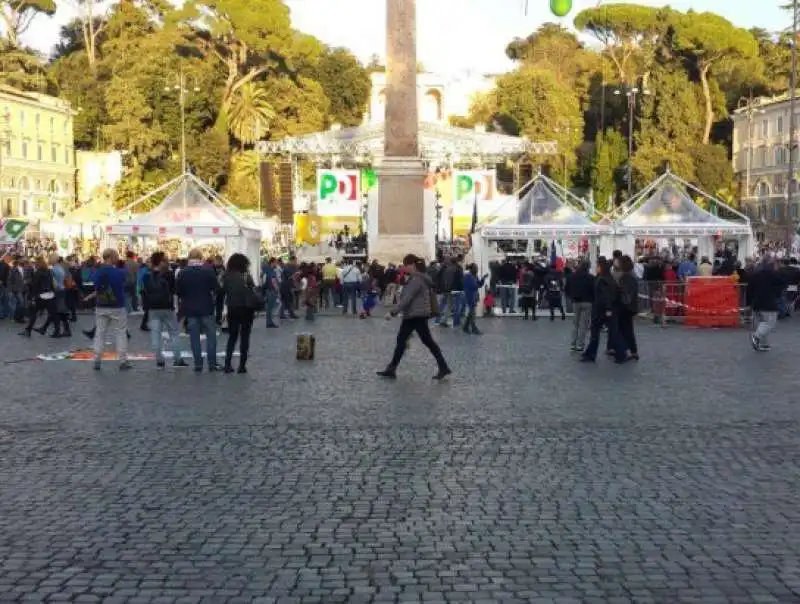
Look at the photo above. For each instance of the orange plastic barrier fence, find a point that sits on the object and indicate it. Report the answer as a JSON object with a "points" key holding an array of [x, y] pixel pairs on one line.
{"points": [[712, 302]]}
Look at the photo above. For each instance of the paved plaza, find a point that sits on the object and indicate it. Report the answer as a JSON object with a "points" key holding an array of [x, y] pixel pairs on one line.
{"points": [[527, 477]]}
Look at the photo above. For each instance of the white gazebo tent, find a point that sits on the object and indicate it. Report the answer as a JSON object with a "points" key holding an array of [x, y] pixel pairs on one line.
{"points": [[544, 210], [665, 210], [192, 210]]}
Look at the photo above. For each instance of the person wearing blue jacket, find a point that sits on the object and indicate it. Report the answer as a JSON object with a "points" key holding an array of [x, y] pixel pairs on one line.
{"points": [[472, 287], [197, 287]]}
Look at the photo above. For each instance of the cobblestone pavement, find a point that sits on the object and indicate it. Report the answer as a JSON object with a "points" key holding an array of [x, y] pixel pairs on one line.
{"points": [[526, 478]]}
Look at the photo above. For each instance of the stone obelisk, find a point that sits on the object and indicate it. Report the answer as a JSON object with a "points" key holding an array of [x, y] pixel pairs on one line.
{"points": [[401, 172]]}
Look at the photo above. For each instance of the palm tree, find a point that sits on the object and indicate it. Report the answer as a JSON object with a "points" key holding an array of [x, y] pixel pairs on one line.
{"points": [[250, 113]]}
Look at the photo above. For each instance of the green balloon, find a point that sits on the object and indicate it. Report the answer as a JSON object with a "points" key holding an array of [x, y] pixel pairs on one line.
{"points": [[560, 8]]}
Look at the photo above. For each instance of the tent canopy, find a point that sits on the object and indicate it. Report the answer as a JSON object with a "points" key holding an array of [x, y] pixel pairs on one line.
{"points": [[189, 209], [666, 208], [544, 209]]}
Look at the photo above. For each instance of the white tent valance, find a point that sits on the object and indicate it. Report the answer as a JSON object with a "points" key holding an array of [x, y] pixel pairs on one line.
{"points": [[545, 209], [665, 208]]}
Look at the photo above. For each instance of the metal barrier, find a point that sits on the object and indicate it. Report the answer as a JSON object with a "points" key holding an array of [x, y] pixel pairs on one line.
{"points": [[665, 302]]}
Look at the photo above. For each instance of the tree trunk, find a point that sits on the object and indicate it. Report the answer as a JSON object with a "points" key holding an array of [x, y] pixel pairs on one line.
{"points": [[709, 107], [11, 31]]}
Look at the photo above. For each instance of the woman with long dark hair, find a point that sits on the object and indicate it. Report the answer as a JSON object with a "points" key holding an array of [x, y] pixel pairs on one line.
{"points": [[605, 295], [626, 307], [239, 290]]}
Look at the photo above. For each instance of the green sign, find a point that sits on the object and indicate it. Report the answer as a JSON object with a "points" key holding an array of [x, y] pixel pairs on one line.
{"points": [[11, 230], [369, 180]]}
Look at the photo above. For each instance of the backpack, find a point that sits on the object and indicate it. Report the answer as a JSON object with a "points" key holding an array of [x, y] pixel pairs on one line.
{"points": [[157, 292]]}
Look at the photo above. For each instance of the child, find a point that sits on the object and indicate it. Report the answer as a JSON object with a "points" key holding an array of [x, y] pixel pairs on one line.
{"points": [[370, 300], [488, 303]]}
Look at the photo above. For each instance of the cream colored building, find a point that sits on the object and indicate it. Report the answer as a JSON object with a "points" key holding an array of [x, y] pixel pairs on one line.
{"points": [[37, 155], [761, 144], [439, 97]]}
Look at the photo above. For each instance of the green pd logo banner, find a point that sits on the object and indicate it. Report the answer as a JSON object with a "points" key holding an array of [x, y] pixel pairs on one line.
{"points": [[11, 230]]}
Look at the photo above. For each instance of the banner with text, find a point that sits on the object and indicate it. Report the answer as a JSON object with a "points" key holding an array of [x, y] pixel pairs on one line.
{"points": [[339, 193], [470, 186]]}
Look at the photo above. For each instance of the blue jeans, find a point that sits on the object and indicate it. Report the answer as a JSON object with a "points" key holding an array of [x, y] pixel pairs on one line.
{"points": [[198, 325], [350, 297], [614, 343], [161, 320], [4, 305], [457, 303], [507, 298], [271, 298], [13, 302]]}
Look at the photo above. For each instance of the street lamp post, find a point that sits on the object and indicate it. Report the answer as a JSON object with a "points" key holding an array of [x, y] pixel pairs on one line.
{"points": [[182, 93], [632, 94], [5, 136], [438, 208], [790, 185]]}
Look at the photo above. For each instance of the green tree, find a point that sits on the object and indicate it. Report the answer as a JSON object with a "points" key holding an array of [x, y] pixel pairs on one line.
{"points": [[250, 113], [608, 165], [131, 127], [208, 154], [532, 102], [553, 48], [713, 170], [631, 35], [22, 68], [17, 16], [670, 124], [346, 84], [246, 38], [301, 106], [706, 39], [243, 185]]}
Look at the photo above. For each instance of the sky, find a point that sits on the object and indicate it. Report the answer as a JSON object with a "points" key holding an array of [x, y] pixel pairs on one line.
{"points": [[454, 37]]}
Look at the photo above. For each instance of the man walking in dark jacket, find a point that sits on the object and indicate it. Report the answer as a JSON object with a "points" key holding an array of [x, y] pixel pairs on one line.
{"points": [[764, 289], [415, 306], [580, 289], [197, 287]]}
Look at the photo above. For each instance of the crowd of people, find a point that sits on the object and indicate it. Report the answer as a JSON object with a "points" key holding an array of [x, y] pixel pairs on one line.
{"points": [[203, 294]]}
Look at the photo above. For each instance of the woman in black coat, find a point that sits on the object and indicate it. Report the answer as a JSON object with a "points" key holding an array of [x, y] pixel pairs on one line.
{"points": [[626, 307], [238, 288], [605, 296], [41, 295]]}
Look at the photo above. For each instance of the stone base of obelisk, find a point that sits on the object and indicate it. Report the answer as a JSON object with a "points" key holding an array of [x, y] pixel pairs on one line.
{"points": [[400, 215]]}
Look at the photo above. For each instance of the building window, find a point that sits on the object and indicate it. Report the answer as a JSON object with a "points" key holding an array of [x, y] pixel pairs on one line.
{"points": [[779, 125], [52, 125], [53, 154], [39, 152], [761, 157], [66, 155], [763, 190], [8, 149], [762, 210], [764, 128], [38, 185], [22, 119], [65, 127], [24, 150], [38, 120], [778, 156]]}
